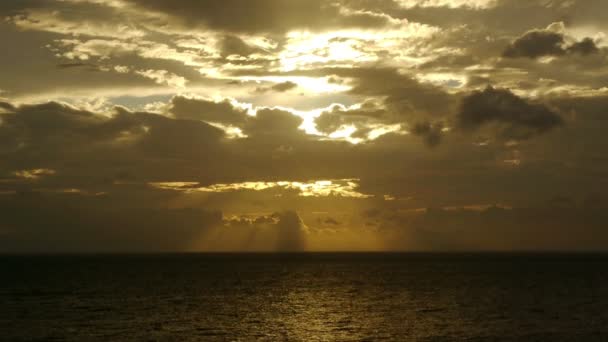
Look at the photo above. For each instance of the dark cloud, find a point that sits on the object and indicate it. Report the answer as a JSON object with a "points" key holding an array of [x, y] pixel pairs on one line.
{"points": [[207, 110], [331, 120], [273, 123], [539, 43], [584, 47], [44, 127], [7, 106], [279, 87], [92, 67], [516, 117], [284, 86], [430, 132], [89, 149], [405, 98], [233, 45], [169, 138], [266, 121], [86, 147]]}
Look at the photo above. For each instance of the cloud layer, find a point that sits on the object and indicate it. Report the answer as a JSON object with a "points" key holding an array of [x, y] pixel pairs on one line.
{"points": [[302, 125]]}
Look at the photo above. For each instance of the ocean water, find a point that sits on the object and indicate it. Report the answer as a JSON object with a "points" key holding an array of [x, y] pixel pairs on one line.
{"points": [[304, 297]]}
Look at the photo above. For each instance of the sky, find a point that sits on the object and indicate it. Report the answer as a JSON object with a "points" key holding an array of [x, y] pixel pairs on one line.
{"points": [[303, 125]]}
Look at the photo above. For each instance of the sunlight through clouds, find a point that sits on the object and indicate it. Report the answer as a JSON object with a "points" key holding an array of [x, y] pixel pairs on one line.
{"points": [[314, 85], [34, 173], [476, 4], [318, 188], [349, 48], [367, 110]]}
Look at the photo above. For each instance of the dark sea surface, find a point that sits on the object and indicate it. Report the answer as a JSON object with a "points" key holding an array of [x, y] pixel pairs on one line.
{"points": [[304, 297]]}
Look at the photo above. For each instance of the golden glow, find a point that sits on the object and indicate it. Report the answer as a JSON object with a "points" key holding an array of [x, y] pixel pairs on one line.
{"points": [[232, 132], [346, 48], [318, 188], [34, 173], [345, 132], [305, 49], [380, 130], [478, 4]]}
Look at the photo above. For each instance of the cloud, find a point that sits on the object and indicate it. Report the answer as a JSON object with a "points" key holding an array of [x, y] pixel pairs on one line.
{"points": [[87, 145], [284, 86], [271, 122], [73, 18], [515, 117], [5, 106], [34, 173], [34, 72], [535, 44], [107, 159], [313, 188], [584, 47], [365, 73], [264, 121], [89, 148], [359, 116], [474, 4], [279, 87], [91, 67], [224, 111], [169, 138], [547, 42], [233, 45], [405, 98], [430, 132], [282, 231]]}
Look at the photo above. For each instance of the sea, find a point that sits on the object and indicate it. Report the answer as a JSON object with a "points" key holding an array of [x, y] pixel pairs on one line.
{"points": [[304, 297]]}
